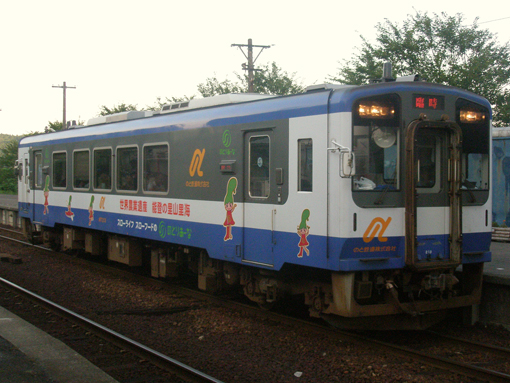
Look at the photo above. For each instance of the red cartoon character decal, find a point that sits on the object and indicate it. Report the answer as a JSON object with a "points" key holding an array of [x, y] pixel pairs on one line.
{"points": [[230, 207], [46, 195], [303, 230], [69, 213], [91, 210]]}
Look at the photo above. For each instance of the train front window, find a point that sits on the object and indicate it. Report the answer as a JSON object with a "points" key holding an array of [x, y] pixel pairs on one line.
{"points": [[474, 121], [428, 151], [376, 150]]}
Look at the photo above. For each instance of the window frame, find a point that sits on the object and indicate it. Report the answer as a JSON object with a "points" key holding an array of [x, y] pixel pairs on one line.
{"points": [[156, 144], [75, 152], [94, 168], [305, 142], [38, 168], [53, 172], [268, 194], [117, 168]]}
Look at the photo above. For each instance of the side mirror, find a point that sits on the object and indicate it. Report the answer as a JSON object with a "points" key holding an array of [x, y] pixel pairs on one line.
{"points": [[347, 164]]}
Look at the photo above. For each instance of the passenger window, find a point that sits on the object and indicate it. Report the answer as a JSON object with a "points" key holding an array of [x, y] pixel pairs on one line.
{"points": [[305, 165], [38, 169], [259, 166], [81, 172], [59, 170], [103, 169], [127, 169], [155, 168]]}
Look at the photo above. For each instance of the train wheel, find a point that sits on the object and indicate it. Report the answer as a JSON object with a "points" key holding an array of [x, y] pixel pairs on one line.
{"points": [[30, 232]]}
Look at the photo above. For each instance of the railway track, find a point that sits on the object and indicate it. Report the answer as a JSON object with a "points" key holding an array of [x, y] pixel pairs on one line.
{"points": [[449, 364], [162, 361]]}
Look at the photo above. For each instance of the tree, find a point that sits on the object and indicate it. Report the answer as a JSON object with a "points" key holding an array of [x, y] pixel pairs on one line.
{"points": [[159, 103], [442, 49], [270, 79], [8, 156], [105, 111], [55, 126]]}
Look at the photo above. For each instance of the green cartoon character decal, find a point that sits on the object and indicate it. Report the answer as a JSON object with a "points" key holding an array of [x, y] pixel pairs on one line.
{"points": [[91, 210], [69, 213], [303, 230], [230, 207]]}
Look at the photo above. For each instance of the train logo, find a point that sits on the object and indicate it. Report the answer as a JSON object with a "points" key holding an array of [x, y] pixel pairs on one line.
{"points": [[226, 138], [377, 228], [196, 163], [230, 207]]}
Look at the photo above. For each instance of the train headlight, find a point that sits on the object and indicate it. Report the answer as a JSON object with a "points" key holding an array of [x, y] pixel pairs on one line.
{"points": [[376, 109], [471, 116]]}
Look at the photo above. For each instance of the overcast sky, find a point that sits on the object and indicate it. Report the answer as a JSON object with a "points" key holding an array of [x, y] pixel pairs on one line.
{"points": [[135, 51]]}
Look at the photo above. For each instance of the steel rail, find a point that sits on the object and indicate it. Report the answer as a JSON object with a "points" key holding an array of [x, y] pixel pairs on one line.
{"points": [[482, 347], [168, 364]]}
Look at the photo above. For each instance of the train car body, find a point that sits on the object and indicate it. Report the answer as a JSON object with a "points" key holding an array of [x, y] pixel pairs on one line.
{"points": [[364, 199], [501, 176]]}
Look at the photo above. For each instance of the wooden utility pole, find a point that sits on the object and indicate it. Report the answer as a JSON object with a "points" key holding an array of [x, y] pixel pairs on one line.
{"points": [[250, 67], [64, 87]]}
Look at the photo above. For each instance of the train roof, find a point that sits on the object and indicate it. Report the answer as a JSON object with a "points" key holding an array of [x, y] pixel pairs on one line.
{"points": [[232, 109]]}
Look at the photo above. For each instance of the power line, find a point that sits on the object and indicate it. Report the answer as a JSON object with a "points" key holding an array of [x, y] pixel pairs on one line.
{"points": [[490, 21]]}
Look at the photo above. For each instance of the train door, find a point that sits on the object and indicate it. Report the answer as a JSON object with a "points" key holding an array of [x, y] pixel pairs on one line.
{"points": [[24, 183], [36, 181], [433, 203], [259, 198]]}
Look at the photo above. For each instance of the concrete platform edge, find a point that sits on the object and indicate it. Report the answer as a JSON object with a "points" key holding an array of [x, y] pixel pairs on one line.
{"points": [[59, 361]]}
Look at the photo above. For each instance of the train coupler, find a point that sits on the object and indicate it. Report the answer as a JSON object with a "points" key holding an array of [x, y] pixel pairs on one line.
{"points": [[390, 286]]}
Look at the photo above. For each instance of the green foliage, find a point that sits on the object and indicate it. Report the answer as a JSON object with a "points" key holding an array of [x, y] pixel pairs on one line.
{"points": [[8, 156], [270, 79], [442, 49], [273, 80], [53, 127], [159, 103], [213, 87], [105, 111]]}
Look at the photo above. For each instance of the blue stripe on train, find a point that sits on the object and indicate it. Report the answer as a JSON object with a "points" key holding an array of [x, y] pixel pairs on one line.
{"points": [[262, 247]]}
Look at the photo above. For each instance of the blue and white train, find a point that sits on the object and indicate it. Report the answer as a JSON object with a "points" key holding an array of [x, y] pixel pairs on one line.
{"points": [[364, 200]]}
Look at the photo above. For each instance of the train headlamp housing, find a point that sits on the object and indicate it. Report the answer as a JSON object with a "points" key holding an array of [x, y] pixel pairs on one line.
{"points": [[376, 109], [471, 115]]}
